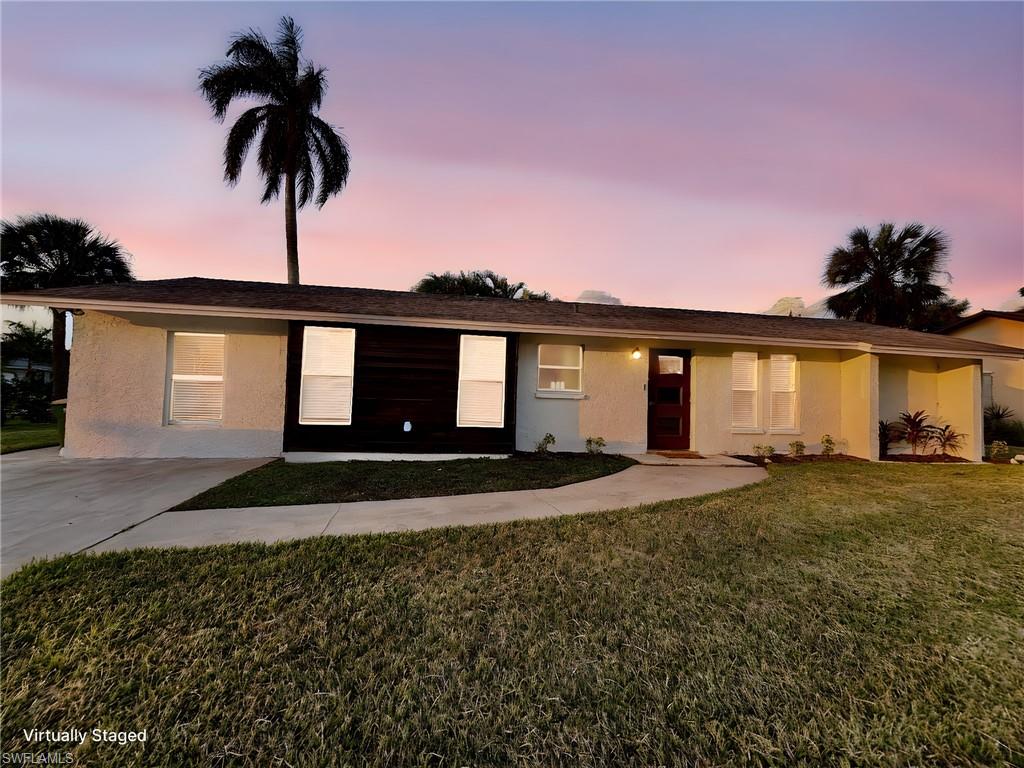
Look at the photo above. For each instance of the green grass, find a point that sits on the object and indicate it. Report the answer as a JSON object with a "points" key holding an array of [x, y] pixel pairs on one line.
{"points": [[24, 436], [281, 483], [850, 614]]}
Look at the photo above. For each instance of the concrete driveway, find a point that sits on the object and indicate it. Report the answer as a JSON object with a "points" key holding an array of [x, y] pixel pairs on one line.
{"points": [[52, 506]]}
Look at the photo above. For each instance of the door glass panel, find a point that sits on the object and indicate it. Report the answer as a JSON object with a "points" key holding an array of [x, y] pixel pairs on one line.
{"points": [[670, 364], [667, 425], [669, 395]]}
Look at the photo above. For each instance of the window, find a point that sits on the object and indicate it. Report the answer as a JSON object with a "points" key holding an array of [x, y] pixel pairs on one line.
{"points": [[783, 388], [670, 364], [481, 400], [560, 367], [744, 390], [197, 378], [328, 362], [987, 399]]}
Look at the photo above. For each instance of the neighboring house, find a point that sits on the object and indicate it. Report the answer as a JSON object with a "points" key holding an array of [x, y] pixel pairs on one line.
{"points": [[217, 368], [1002, 379], [19, 368]]}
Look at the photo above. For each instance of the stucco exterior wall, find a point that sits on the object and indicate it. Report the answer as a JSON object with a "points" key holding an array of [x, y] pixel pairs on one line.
{"points": [[1007, 375], [116, 394], [613, 404], [949, 391], [858, 391], [818, 400]]}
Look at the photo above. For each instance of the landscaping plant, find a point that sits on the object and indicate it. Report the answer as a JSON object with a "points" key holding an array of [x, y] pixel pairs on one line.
{"points": [[797, 448], [947, 439], [764, 451], [888, 433], [595, 445], [545, 443], [828, 445], [998, 450], [915, 430]]}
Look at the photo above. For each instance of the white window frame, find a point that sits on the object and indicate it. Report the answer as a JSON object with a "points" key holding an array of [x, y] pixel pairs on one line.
{"points": [[346, 419], [504, 382], [753, 427], [173, 377], [794, 428], [578, 367]]}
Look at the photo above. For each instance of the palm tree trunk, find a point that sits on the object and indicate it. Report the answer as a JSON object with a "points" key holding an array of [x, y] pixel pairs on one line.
{"points": [[61, 358], [291, 229]]}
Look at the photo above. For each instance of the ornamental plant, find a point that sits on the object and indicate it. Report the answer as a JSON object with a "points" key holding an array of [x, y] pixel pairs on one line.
{"points": [[595, 445], [545, 443], [797, 448], [915, 430], [828, 445], [947, 440], [764, 451], [998, 450]]}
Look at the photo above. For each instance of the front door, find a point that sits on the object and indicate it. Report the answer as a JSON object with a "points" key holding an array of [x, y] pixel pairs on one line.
{"points": [[668, 400]]}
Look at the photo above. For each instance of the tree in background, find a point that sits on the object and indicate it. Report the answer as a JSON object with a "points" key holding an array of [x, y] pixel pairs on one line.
{"points": [[892, 278], [296, 147], [478, 282], [30, 343], [45, 251]]}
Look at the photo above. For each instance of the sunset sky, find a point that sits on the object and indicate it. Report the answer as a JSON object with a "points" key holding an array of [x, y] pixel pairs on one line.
{"points": [[693, 155]]}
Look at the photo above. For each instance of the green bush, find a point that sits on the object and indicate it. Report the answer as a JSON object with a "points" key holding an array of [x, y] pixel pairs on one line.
{"points": [[595, 445], [545, 443]]}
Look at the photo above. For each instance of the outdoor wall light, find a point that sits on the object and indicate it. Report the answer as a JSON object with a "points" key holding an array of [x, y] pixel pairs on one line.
{"points": [[636, 354]]}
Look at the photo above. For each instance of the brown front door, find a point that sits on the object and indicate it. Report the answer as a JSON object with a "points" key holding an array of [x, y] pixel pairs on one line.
{"points": [[668, 400]]}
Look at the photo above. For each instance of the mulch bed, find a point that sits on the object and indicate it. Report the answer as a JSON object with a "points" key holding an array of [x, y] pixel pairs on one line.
{"points": [[785, 458], [926, 458]]}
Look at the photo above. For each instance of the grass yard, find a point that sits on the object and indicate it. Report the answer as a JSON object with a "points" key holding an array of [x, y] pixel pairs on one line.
{"points": [[847, 613], [24, 436], [281, 483]]}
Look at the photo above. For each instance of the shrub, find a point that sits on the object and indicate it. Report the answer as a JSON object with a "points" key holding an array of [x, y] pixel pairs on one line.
{"points": [[764, 451], [28, 397], [1000, 425], [797, 448], [915, 430], [828, 445], [888, 433], [595, 445], [998, 450], [947, 439], [545, 443]]}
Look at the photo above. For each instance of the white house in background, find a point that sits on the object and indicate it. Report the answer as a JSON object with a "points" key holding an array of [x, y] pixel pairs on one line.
{"points": [[1002, 379], [219, 368]]}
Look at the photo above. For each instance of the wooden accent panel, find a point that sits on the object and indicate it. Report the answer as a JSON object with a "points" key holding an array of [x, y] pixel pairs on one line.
{"points": [[401, 374]]}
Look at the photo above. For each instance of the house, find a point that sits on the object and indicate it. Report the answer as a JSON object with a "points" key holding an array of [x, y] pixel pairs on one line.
{"points": [[1002, 379], [220, 368]]}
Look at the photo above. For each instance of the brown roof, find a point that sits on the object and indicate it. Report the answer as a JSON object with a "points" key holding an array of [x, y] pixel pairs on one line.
{"points": [[963, 322], [304, 301]]}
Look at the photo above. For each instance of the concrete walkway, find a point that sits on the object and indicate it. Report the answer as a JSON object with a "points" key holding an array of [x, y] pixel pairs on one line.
{"points": [[52, 506], [631, 487]]}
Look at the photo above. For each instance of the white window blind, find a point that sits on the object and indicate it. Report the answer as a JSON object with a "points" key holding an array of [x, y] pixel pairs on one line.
{"points": [[783, 390], [744, 390], [328, 365], [197, 378], [481, 400], [560, 367]]}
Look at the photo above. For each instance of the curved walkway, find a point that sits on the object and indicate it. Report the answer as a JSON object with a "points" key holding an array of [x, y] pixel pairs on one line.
{"points": [[631, 487]]}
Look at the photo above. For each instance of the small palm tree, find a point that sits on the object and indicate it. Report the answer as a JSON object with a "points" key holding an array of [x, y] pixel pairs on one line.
{"points": [[891, 278], [947, 439], [46, 251], [914, 429], [297, 149]]}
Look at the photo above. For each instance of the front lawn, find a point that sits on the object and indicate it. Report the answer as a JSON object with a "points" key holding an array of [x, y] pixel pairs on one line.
{"points": [[846, 613], [24, 436], [281, 483]]}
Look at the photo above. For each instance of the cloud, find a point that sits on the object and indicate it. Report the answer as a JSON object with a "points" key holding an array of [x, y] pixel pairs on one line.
{"points": [[591, 296]]}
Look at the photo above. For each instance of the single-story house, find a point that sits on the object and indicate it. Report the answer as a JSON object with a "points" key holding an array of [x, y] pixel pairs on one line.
{"points": [[1002, 380], [223, 368]]}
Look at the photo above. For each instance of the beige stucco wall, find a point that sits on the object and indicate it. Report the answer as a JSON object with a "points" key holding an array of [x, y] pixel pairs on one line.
{"points": [[858, 391], [948, 391], [613, 405], [1007, 375], [116, 393]]}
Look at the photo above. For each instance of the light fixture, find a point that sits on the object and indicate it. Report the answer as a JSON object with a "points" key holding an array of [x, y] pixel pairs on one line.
{"points": [[636, 354]]}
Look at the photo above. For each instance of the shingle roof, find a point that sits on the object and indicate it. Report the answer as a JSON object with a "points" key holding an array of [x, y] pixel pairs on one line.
{"points": [[281, 300], [963, 322]]}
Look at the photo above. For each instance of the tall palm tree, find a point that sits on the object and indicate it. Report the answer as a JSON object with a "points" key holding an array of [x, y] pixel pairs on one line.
{"points": [[891, 278], [45, 251], [478, 282], [296, 147]]}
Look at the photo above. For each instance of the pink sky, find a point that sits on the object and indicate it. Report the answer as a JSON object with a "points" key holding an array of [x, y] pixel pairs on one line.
{"points": [[706, 156]]}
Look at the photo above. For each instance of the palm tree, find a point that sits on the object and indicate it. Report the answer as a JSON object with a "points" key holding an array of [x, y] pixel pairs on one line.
{"points": [[45, 251], [479, 282], [296, 147], [890, 278]]}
